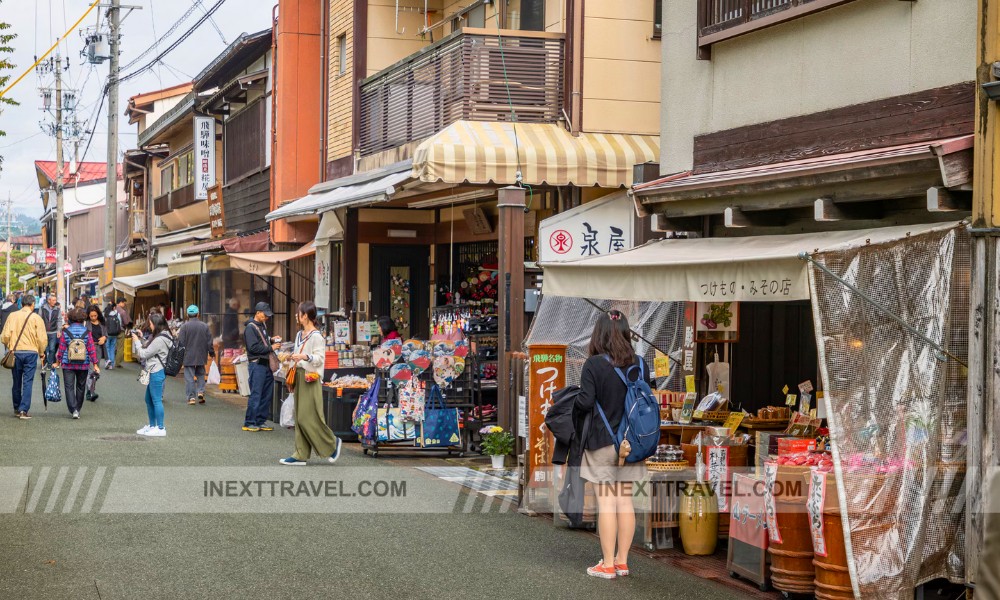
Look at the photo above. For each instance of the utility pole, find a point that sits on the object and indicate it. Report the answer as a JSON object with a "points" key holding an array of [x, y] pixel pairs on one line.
{"points": [[61, 241], [111, 186], [9, 205]]}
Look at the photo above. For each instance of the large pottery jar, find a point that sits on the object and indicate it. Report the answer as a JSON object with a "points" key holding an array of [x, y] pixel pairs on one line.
{"points": [[699, 519]]}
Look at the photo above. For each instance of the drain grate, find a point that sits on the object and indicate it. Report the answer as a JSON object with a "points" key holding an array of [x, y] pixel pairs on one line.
{"points": [[122, 438]]}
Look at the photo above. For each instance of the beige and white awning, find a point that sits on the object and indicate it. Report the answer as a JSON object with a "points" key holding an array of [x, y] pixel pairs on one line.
{"points": [[129, 285], [545, 153], [749, 269], [268, 264]]}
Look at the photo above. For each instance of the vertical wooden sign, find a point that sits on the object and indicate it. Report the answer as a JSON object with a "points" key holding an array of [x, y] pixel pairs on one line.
{"points": [[546, 374]]}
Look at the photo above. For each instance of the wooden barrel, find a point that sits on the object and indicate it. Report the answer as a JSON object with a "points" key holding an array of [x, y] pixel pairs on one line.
{"points": [[833, 579], [699, 519], [792, 567]]}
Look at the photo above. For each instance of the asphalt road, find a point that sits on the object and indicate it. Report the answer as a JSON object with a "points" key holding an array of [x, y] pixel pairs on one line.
{"points": [[88, 510]]}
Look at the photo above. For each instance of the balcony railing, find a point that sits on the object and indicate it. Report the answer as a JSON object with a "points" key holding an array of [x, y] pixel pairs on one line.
{"points": [[723, 19], [138, 224], [470, 75], [172, 200]]}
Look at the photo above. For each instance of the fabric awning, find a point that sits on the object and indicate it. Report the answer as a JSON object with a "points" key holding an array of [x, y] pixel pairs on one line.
{"points": [[191, 234], [267, 264], [92, 263], [487, 152], [362, 189], [129, 285], [330, 229], [187, 265], [26, 278], [748, 269]]}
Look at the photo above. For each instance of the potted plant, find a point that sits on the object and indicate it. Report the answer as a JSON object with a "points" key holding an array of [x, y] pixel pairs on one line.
{"points": [[497, 444]]}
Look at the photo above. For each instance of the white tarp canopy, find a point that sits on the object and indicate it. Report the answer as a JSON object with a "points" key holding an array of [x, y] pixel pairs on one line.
{"points": [[747, 269], [129, 285]]}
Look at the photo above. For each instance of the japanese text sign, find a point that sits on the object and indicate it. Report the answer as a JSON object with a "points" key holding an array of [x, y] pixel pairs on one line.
{"points": [[748, 520], [546, 374], [596, 228], [204, 156], [216, 212]]}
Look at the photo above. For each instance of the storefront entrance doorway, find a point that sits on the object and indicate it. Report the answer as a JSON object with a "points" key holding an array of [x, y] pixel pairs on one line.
{"points": [[400, 287]]}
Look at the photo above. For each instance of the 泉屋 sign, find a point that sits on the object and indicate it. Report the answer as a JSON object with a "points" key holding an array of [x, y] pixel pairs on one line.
{"points": [[600, 227], [204, 156], [546, 374]]}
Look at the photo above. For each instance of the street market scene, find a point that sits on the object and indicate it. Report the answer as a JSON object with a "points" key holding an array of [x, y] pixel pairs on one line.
{"points": [[502, 298]]}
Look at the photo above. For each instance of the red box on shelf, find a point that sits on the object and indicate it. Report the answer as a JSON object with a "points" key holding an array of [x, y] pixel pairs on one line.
{"points": [[795, 445], [332, 360]]}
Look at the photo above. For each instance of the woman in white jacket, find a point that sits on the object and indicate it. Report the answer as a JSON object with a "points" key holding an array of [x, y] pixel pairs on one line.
{"points": [[309, 356]]}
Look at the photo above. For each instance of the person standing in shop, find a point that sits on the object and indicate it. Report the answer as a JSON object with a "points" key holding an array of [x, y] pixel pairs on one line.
{"points": [[24, 335], [388, 328], [197, 341], [603, 392], [259, 347], [51, 313], [231, 324], [154, 355], [311, 431], [98, 331], [77, 356]]}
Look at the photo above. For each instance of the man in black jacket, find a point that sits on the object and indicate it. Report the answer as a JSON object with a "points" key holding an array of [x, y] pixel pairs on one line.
{"points": [[51, 314], [259, 347], [197, 341]]}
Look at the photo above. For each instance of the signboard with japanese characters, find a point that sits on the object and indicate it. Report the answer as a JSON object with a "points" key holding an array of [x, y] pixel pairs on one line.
{"points": [[546, 374], [770, 507], [216, 212], [323, 275], [815, 504], [748, 521], [718, 474], [204, 156], [50, 255], [596, 228]]}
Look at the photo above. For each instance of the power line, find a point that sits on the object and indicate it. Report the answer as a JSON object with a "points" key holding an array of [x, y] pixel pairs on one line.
{"points": [[158, 40]]}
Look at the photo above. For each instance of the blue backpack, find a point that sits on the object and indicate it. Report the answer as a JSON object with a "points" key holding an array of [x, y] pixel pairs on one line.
{"points": [[640, 423]]}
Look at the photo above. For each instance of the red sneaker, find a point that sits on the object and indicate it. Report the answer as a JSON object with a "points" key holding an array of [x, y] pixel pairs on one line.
{"points": [[621, 570], [599, 570]]}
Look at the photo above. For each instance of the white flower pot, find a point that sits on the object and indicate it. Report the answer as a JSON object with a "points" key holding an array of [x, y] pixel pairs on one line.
{"points": [[498, 461]]}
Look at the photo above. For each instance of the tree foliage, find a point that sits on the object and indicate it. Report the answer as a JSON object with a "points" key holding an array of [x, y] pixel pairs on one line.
{"points": [[6, 50]]}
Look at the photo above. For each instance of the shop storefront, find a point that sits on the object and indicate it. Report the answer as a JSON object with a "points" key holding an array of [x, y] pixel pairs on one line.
{"points": [[887, 319]]}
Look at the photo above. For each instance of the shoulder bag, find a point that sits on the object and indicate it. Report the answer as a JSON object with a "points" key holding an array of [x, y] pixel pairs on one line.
{"points": [[9, 358], [272, 358], [292, 370]]}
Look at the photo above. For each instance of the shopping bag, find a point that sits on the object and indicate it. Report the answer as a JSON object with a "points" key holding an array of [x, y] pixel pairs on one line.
{"points": [[214, 376], [366, 413], [392, 427], [287, 418], [440, 425], [411, 400], [52, 392]]}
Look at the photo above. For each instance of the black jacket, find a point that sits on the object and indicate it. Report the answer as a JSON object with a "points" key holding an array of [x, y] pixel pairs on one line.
{"points": [[600, 384], [569, 425], [258, 342], [197, 341]]}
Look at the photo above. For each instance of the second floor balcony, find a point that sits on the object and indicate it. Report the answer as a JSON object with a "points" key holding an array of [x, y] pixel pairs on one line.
{"points": [[174, 199], [720, 20], [471, 75]]}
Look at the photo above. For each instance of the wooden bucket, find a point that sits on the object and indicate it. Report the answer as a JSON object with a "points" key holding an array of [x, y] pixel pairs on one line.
{"points": [[833, 579], [792, 569]]}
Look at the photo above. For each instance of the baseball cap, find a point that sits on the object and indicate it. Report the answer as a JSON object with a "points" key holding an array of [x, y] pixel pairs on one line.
{"points": [[265, 308], [192, 310]]}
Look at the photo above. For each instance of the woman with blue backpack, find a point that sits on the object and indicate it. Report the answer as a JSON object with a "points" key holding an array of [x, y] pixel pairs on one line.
{"points": [[613, 386], [76, 356]]}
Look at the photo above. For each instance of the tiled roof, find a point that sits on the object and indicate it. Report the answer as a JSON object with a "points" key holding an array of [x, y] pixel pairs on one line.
{"points": [[86, 171]]}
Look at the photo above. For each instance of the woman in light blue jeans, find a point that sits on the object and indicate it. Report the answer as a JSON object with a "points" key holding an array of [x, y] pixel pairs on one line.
{"points": [[154, 353]]}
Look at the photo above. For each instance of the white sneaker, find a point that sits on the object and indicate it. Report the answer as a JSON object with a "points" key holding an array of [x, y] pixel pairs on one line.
{"points": [[143, 431], [156, 432], [76, 414]]}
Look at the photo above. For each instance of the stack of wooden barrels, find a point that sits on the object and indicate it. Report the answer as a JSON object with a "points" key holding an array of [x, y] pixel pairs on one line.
{"points": [[792, 568]]}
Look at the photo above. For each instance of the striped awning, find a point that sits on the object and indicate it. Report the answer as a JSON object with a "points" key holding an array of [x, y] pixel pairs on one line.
{"points": [[545, 153]]}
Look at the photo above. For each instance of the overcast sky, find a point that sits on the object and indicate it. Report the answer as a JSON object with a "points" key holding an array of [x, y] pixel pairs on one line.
{"points": [[39, 23]]}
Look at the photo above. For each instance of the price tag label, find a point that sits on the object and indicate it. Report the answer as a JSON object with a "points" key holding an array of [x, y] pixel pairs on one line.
{"points": [[805, 387], [784, 390], [791, 399], [806, 402], [661, 365], [733, 421], [689, 385]]}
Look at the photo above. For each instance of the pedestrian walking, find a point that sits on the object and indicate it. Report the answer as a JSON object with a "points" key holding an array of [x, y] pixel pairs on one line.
{"points": [[77, 356], [113, 328], [602, 388], [9, 306], [51, 313], [154, 353], [196, 338], [126, 320], [309, 356], [98, 331], [24, 335], [260, 348]]}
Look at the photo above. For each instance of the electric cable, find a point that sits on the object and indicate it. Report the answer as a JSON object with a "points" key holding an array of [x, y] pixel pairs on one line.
{"points": [[174, 45]]}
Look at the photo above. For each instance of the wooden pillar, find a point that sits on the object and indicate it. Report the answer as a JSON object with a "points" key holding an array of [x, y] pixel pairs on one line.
{"points": [[510, 202], [983, 428]]}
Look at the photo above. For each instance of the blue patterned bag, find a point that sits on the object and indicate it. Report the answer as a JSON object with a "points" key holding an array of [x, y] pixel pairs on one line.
{"points": [[440, 426], [52, 392], [366, 413]]}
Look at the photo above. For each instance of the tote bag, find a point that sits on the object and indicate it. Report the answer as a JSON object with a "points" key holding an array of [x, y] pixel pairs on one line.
{"points": [[440, 425]]}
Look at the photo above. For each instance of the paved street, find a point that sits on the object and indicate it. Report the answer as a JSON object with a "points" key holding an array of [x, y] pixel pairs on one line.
{"points": [[60, 545]]}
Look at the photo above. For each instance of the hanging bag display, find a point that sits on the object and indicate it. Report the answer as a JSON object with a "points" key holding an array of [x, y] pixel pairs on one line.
{"points": [[366, 413], [411, 400], [440, 426]]}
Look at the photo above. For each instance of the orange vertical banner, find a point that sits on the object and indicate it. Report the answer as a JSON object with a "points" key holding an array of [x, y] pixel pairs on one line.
{"points": [[546, 374]]}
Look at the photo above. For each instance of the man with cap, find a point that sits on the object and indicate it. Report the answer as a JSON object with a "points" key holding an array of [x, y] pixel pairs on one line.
{"points": [[197, 341], [260, 347]]}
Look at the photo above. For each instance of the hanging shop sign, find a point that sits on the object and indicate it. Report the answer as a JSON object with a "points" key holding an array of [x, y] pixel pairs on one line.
{"points": [[216, 211], [204, 155], [50, 255], [546, 374], [718, 322], [322, 276], [596, 228]]}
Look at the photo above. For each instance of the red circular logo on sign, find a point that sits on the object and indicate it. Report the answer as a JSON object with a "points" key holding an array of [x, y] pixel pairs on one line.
{"points": [[560, 241]]}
